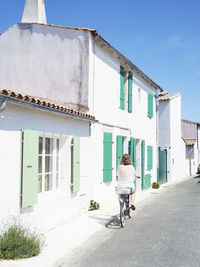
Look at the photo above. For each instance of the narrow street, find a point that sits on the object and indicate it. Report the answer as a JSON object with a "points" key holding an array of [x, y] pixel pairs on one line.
{"points": [[164, 231]]}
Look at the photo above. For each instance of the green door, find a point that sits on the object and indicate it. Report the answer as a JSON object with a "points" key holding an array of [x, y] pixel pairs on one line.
{"points": [[162, 166]]}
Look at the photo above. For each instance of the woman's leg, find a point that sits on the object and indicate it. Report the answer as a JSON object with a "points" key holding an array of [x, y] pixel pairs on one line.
{"points": [[132, 197]]}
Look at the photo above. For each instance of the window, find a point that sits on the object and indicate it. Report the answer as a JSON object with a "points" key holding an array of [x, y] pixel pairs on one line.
{"points": [[48, 164], [190, 152], [150, 106]]}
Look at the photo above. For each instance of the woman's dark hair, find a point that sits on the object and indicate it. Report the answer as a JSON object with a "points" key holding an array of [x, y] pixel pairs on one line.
{"points": [[125, 160]]}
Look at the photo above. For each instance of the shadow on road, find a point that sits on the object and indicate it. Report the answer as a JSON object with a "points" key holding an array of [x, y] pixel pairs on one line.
{"points": [[197, 177], [113, 223]]}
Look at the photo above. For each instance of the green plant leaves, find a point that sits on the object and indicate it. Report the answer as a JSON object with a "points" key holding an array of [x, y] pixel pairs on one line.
{"points": [[94, 205], [17, 242], [155, 185]]}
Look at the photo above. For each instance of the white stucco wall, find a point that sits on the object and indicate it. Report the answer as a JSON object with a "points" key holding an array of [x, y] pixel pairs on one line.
{"points": [[10, 143], [164, 124], [177, 166], [46, 61], [64, 205]]}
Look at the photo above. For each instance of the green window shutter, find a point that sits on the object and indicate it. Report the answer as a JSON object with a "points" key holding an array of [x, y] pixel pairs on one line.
{"points": [[143, 162], [150, 106], [29, 182], [75, 168], [107, 157], [122, 87], [119, 150], [147, 181], [130, 86], [132, 151], [149, 157]]}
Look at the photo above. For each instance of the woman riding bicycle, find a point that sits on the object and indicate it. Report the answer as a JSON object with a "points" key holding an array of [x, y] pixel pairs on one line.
{"points": [[126, 177]]}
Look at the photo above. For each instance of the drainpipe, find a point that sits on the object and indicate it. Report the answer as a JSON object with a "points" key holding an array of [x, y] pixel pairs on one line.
{"points": [[157, 135], [2, 105]]}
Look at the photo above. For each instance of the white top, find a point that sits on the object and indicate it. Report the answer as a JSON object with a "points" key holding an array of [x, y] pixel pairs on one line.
{"points": [[126, 174]]}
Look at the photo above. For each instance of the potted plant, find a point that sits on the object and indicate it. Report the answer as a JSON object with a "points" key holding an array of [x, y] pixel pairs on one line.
{"points": [[155, 187]]}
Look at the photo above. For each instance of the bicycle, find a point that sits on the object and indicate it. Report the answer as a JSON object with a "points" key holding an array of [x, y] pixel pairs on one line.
{"points": [[123, 196]]}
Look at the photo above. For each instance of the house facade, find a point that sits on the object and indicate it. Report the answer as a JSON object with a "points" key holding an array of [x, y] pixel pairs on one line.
{"points": [[124, 101], [178, 141], [42, 146], [190, 136]]}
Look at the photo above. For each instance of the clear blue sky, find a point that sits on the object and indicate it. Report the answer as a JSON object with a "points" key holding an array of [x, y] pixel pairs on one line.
{"points": [[162, 37]]}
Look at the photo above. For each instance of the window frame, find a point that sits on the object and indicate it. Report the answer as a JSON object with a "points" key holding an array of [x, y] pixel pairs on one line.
{"points": [[55, 172]]}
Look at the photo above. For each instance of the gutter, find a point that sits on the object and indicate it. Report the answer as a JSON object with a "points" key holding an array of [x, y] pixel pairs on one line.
{"points": [[4, 99], [114, 126], [137, 70]]}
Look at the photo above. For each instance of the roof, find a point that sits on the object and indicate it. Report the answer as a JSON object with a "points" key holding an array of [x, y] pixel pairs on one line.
{"points": [[168, 97], [34, 102], [189, 121], [93, 31], [189, 142], [126, 60], [100, 39]]}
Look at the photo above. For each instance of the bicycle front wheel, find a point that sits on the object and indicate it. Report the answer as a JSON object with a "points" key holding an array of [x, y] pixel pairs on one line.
{"points": [[122, 214]]}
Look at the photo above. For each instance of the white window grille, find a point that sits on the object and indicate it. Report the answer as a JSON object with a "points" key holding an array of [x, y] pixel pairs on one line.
{"points": [[48, 163]]}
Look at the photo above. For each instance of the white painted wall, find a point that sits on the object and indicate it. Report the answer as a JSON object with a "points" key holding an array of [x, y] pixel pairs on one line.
{"points": [[64, 205], [177, 166], [10, 143], [47, 62], [164, 124]]}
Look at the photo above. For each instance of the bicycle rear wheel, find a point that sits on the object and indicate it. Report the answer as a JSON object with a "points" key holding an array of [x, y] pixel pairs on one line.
{"points": [[122, 214]]}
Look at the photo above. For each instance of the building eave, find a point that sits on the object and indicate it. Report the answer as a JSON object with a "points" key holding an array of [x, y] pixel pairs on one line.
{"points": [[98, 38], [38, 104]]}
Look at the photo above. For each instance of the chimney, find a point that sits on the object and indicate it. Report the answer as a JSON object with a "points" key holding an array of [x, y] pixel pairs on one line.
{"points": [[34, 11]]}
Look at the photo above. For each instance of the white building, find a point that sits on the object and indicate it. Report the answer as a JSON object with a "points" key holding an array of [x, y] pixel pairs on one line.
{"points": [[178, 154], [190, 136], [42, 145], [54, 77]]}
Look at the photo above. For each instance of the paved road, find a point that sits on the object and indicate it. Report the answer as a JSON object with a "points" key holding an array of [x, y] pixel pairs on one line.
{"points": [[163, 232]]}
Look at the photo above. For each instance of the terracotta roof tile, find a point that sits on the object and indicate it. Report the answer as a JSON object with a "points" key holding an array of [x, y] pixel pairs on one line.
{"points": [[167, 97], [42, 103], [190, 142], [189, 121]]}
